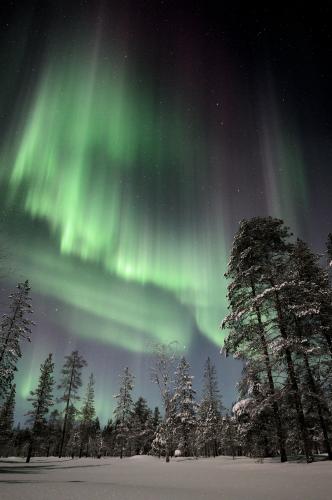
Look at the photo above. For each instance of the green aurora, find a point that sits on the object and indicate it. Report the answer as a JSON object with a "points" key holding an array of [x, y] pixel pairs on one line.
{"points": [[117, 184], [118, 209]]}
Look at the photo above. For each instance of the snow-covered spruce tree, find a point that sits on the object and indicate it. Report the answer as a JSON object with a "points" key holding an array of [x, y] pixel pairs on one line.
{"points": [[209, 412], [149, 433], [229, 438], [7, 420], [42, 400], [256, 431], [87, 415], [165, 439], [249, 334], [71, 381], [96, 446], [156, 448], [136, 434], [184, 408], [108, 434], [14, 327], [162, 374], [142, 427], [124, 409], [99, 447]]}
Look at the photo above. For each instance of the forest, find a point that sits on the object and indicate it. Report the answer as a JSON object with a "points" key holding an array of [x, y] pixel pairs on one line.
{"points": [[279, 324]]}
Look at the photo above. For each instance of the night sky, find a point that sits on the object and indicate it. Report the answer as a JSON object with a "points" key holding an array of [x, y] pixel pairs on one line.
{"points": [[134, 137]]}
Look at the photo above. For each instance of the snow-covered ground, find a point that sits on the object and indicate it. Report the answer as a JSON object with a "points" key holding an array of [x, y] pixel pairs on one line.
{"points": [[147, 478]]}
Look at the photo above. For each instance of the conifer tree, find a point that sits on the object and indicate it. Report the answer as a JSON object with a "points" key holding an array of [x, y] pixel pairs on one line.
{"points": [[141, 426], [309, 311], [162, 374], [14, 327], [70, 383], [87, 414], [258, 272], [184, 407], [135, 438], [124, 408], [278, 282], [108, 435], [256, 433], [7, 418], [141, 409], [41, 399], [99, 443], [148, 434], [229, 438], [209, 411], [164, 441]]}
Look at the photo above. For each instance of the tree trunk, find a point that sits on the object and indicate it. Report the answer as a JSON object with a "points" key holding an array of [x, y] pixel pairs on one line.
{"points": [[323, 424], [66, 411], [294, 384], [121, 448], [29, 453], [275, 406]]}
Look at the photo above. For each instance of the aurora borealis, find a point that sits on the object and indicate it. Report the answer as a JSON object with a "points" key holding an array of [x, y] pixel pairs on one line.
{"points": [[133, 141]]}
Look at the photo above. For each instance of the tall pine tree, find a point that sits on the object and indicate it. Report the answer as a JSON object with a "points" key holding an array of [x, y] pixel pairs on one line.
{"points": [[309, 313], [142, 427], [87, 414], [209, 412], [14, 327], [41, 399], [162, 374], [124, 408], [71, 381], [185, 408], [249, 336]]}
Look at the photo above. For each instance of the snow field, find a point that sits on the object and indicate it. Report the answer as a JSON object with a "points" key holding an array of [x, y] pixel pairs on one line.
{"points": [[148, 478]]}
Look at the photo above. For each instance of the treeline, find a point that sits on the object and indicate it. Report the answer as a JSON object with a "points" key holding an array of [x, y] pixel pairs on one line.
{"points": [[73, 429], [187, 427], [280, 326]]}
